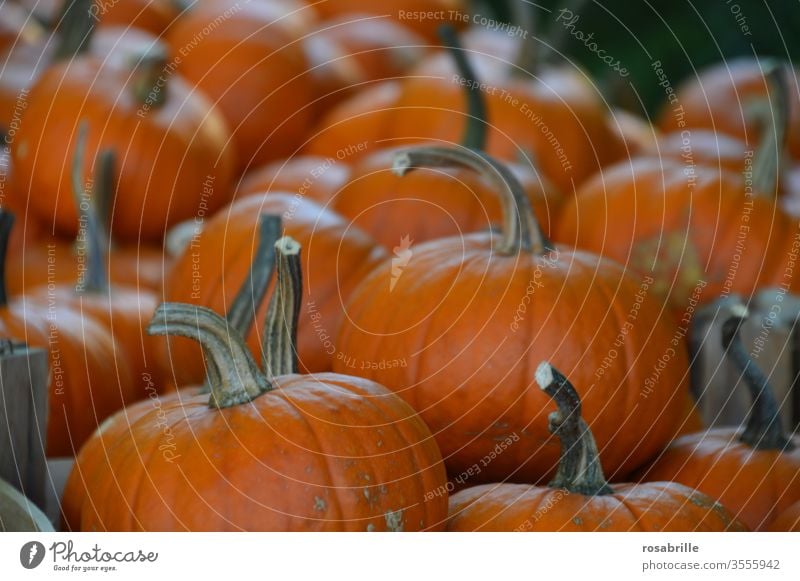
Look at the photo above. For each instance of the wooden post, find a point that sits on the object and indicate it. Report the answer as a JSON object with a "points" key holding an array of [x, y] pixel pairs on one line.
{"points": [[24, 379]]}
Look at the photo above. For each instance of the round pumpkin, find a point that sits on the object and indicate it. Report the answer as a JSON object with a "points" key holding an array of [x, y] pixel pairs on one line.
{"points": [[454, 325], [173, 147], [755, 470], [312, 452], [579, 499], [215, 262]]}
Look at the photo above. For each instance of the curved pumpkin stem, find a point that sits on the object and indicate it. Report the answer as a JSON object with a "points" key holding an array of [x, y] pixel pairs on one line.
{"points": [[579, 468], [149, 78], [774, 115], [763, 430], [236, 378], [475, 129], [280, 333], [75, 28], [6, 227], [91, 242], [521, 231]]}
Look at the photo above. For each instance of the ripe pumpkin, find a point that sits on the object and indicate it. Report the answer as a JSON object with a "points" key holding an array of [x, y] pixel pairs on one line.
{"points": [[18, 514], [92, 460], [718, 97], [579, 499], [789, 520], [435, 203], [689, 226], [754, 471], [453, 328], [251, 65], [323, 460], [87, 383], [401, 11], [213, 266]]}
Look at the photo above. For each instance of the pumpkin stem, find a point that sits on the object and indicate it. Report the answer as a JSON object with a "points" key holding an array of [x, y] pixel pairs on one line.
{"points": [[579, 469], [474, 136], [149, 78], [235, 374], [280, 333], [521, 231], [763, 430], [774, 115], [6, 227], [91, 243], [75, 27]]}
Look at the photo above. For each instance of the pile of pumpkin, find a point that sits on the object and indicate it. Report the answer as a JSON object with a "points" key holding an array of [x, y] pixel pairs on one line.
{"points": [[467, 283]]}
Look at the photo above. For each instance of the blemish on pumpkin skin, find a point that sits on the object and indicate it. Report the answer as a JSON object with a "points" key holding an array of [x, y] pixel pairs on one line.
{"points": [[578, 521], [370, 528], [320, 504], [394, 520]]}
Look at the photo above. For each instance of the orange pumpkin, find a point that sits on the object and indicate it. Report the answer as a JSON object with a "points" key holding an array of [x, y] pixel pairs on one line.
{"points": [[322, 460], [315, 178], [214, 264], [579, 499], [251, 65], [455, 325], [87, 382], [753, 471], [171, 144]]}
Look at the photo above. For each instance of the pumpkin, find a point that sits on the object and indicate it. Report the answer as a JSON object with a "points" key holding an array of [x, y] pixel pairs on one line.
{"points": [[311, 452], [18, 514], [402, 11], [453, 201], [92, 460], [353, 49], [213, 266], [718, 98], [689, 225], [246, 60], [162, 131], [755, 470], [315, 178], [87, 382], [454, 326], [579, 499], [789, 520]]}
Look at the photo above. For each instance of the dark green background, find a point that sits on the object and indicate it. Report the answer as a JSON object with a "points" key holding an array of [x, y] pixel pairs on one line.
{"points": [[685, 35]]}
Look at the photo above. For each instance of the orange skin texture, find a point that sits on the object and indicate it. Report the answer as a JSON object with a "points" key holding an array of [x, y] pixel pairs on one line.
{"points": [[429, 204], [253, 71], [755, 485], [88, 379], [718, 99], [316, 178], [92, 460], [468, 371], [788, 521], [165, 158], [693, 421], [336, 257], [432, 109], [393, 8], [652, 507], [642, 210], [357, 48], [319, 453]]}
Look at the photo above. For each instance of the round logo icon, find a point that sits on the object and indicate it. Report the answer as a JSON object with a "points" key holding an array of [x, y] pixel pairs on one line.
{"points": [[31, 554]]}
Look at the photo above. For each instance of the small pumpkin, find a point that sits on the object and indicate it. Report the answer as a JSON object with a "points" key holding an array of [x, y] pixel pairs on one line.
{"points": [[87, 381], [311, 452], [455, 325], [579, 499], [755, 470], [163, 132], [213, 265], [435, 203], [92, 460]]}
